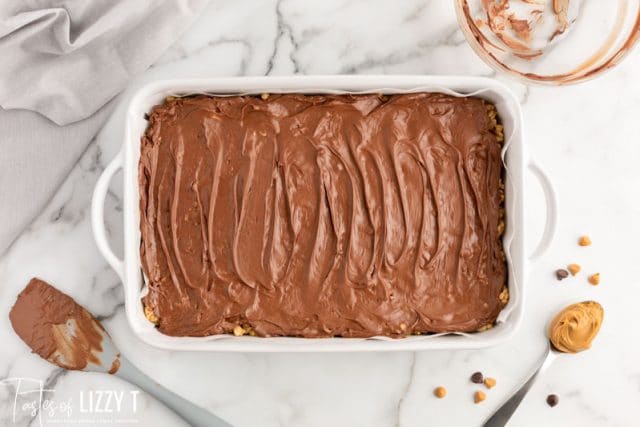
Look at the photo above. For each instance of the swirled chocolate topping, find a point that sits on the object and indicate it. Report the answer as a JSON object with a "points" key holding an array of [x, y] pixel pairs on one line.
{"points": [[56, 328], [315, 216]]}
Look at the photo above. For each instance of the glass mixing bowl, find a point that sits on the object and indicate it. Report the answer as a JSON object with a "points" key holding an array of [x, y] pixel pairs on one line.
{"points": [[550, 41]]}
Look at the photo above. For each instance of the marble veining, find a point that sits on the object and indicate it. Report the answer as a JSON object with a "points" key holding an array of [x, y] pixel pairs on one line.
{"points": [[585, 136]]}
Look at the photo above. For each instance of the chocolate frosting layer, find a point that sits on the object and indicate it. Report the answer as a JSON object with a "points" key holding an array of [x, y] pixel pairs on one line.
{"points": [[315, 216]]}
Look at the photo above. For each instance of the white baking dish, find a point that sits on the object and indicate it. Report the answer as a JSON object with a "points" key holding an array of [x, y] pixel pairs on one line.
{"points": [[516, 162]]}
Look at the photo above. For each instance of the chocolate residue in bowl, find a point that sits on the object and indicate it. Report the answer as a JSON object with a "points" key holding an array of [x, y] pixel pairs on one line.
{"points": [[57, 328], [509, 28], [508, 35]]}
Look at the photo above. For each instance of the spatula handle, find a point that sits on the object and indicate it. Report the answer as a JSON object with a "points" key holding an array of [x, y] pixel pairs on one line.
{"points": [[192, 414]]}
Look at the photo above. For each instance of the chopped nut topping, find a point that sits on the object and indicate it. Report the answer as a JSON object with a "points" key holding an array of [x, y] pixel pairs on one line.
{"points": [[150, 315], [504, 296], [238, 331], [492, 113], [485, 327]]}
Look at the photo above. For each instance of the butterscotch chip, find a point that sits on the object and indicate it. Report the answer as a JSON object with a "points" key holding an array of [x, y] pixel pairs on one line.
{"points": [[594, 279], [238, 331], [584, 241], [490, 382], [573, 269], [440, 392], [150, 315], [479, 396]]}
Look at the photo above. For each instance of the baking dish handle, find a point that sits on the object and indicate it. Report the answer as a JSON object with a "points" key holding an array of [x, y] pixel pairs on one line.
{"points": [[97, 215], [551, 200]]}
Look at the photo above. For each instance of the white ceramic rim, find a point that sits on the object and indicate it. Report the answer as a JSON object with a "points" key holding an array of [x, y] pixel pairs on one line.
{"points": [[516, 161]]}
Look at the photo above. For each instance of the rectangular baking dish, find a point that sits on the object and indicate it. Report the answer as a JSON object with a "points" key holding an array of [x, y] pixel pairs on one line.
{"points": [[515, 159]]}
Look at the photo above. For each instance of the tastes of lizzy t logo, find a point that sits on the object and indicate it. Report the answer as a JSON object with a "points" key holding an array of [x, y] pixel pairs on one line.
{"points": [[32, 401]]}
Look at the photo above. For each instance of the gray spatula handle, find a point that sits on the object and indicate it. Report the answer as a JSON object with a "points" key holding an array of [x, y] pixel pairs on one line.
{"points": [[192, 414]]}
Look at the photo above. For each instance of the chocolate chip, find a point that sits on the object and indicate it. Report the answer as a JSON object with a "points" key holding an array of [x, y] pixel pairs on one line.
{"points": [[552, 400], [477, 378], [146, 116], [562, 274]]}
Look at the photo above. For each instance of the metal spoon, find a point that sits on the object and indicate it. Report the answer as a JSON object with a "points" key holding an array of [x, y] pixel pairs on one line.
{"points": [[502, 415]]}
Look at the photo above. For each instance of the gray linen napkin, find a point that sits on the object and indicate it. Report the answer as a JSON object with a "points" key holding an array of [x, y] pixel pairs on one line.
{"points": [[62, 61]]}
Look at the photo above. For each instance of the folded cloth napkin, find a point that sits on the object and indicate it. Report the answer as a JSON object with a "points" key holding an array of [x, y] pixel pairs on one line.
{"points": [[65, 60]]}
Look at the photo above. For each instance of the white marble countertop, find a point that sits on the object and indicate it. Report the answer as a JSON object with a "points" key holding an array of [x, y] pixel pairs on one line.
{"points": [[585, 136]]}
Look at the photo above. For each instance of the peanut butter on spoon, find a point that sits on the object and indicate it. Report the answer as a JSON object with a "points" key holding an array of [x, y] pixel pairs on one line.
{"points": [[574, 328], [571, 331]]}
